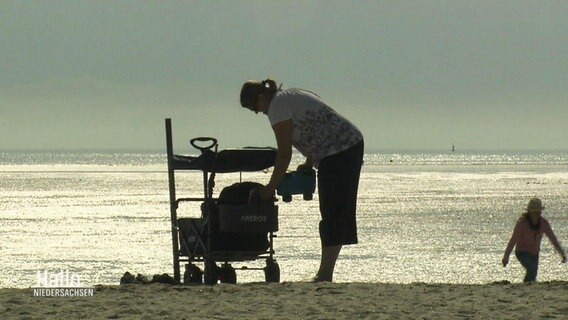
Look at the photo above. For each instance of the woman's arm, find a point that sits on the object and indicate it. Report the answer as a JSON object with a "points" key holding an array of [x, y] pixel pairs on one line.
{"points": [[283, 131]]}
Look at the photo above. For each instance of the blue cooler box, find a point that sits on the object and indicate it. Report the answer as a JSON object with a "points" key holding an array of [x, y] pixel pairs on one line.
{"points": [[296, 182]]}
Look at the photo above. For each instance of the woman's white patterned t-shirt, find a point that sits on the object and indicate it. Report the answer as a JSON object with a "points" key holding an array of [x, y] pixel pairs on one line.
{"points": [[319, 131]]}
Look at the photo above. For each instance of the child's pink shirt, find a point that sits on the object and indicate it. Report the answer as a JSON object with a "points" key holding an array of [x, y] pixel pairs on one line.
{"points": [[528, 240]]}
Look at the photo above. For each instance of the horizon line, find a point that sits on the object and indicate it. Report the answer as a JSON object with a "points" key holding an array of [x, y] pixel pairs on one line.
{"points": [[367, 150]]}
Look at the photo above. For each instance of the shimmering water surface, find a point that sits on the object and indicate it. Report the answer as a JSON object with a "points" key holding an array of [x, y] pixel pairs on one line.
{"points": [[423, 217]]}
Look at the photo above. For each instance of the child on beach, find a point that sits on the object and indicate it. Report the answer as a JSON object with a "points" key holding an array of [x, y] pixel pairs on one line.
{"points": [[526, 239]]}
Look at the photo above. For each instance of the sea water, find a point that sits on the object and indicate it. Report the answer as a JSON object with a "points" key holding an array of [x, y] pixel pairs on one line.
{"points": [[435, 217]]}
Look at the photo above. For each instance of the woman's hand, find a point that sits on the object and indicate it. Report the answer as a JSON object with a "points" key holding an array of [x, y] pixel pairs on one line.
{"points": [[304, 167], [266, 193], [307, 166]]}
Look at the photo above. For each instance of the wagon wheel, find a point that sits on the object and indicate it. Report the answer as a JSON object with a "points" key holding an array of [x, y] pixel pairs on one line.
{"points": [[211, 273], [192, 274], [227, 274], [272, 271]]}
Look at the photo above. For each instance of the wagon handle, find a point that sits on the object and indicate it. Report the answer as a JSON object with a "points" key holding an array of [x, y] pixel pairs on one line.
{"points": [[207, 142]]}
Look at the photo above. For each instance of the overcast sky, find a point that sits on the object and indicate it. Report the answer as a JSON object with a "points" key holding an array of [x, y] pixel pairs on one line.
{"points": [[410, 74]]}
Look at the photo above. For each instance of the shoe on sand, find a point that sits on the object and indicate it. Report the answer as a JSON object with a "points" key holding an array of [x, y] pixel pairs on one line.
{"points": [[127, 278]]}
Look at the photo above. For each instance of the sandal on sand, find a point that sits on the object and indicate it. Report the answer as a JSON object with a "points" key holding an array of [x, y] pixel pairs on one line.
{"points": [[127, 278]]}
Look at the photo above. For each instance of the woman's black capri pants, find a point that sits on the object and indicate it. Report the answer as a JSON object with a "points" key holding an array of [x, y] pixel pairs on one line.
{"points": [[338, 182]]}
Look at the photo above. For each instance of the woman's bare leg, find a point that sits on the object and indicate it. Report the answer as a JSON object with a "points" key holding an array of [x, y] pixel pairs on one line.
{"points": [[327, 265]]}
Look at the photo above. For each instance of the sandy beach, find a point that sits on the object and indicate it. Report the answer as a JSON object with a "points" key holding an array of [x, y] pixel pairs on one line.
{"points": [[297, 300]]}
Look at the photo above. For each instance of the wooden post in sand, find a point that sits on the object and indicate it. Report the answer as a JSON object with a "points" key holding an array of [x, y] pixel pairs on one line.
{"points": [[173, 202]]}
